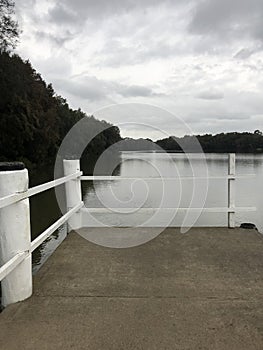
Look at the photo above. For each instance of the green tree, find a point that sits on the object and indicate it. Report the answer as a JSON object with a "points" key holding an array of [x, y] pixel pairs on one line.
{"points": [[8, 26]]}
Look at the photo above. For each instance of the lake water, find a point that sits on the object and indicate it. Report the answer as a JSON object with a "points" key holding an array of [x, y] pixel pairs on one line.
{"points": [[178, 191]]}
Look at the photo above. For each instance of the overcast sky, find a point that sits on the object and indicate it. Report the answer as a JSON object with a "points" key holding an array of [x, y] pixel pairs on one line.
{"points": [[202, 60]]}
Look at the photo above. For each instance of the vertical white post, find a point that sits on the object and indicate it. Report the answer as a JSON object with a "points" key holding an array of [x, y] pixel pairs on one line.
{"points": [[231, 190], [15, 236], [73, 192]]}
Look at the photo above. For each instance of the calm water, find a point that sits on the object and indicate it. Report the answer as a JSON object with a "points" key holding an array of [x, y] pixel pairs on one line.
{"points": [[44, 211], [172, 193]]}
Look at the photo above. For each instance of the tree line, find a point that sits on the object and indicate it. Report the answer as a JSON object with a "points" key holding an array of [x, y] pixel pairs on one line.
{"points": [[34, 120], [236, 142]]}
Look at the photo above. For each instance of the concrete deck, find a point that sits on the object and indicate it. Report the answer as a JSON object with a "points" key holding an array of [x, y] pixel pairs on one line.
{"points": [[200, 290]]}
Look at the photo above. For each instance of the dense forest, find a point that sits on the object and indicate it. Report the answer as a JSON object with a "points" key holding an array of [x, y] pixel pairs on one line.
{"points": [[34, 120], [235, 142]]}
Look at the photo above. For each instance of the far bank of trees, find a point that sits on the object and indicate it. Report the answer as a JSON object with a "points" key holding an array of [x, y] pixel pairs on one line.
{"points": [[235, 142]]}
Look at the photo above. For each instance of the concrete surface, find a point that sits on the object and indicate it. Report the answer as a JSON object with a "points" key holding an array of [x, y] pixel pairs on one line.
{"points": [[200, 290]]}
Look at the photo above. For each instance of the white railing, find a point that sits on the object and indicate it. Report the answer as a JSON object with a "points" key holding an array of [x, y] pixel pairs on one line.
{"points": [[231, 209], [16, 197], [15, 236]]}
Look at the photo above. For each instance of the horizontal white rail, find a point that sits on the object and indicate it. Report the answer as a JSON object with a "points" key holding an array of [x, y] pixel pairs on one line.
{"points": [[48, 232], [44, 187], [118, 178], [12, 264], [133, 210], [16, 197]]}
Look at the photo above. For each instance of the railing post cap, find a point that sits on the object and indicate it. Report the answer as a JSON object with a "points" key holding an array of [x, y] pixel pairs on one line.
{"points": [[11, 166]]}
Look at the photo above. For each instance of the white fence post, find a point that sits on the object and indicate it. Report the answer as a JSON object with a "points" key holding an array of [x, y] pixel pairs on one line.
{"points": [[231, 190], [73, 192], [15, 234]]}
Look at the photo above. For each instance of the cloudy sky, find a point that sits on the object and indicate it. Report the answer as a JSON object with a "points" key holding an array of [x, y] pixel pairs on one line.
{"points": [[201, 60]]}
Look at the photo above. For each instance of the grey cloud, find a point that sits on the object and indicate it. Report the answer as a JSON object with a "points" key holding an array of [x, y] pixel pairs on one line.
{"points": [[86, 16], [139, 115], [83, 17], [24, 5], [258, 67], [244, 54], [218, 122], [89, 88], [231, 18], [91, 9], [162, 49], [231, 116], [210, 95], [62, 14], [92, 88], [216, 118], [114, 51], [123, 33], [59, 40], [136, 91]]}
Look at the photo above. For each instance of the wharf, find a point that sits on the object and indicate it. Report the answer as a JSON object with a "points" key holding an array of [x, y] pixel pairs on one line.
{"points": [[199, 290]]}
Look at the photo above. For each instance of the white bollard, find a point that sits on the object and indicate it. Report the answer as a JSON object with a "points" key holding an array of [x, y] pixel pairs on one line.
{"points": [[73, 192], [15, 237]]}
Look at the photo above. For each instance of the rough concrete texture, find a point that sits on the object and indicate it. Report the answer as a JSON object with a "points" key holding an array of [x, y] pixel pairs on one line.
{"points": [[200, 290]]}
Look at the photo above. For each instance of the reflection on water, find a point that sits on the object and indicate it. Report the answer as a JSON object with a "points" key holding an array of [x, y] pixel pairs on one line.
{"points": [[44, 211]]}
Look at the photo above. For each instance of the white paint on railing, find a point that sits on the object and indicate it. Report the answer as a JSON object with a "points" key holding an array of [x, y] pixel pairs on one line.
{"points": [[48, 232], [73, 192], [15, 237], [135, 210], [120, 178], [16, 197], [231, 190], [12, 264]]}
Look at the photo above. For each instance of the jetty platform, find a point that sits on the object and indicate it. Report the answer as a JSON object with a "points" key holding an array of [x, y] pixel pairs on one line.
{"points": [[199, 290]]}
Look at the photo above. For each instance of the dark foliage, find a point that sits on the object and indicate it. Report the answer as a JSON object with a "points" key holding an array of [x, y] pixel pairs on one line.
{"points": [[34, 120], [221, 143]]}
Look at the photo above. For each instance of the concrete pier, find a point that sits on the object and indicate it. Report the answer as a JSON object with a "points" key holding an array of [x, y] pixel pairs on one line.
{"points": [[200, 290]]}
